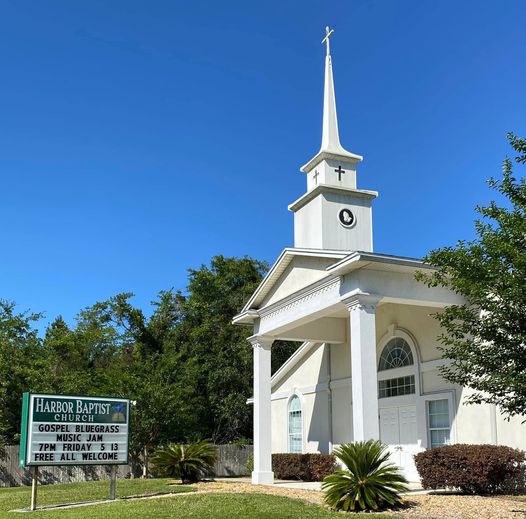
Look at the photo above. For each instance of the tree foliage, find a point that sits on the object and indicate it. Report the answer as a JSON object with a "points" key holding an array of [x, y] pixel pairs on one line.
{"points": [[486, 337], [23, 364], [186, 367]]}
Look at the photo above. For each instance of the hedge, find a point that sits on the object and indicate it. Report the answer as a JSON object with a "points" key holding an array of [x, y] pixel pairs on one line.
{"points": [[473, 469], [304, 467]]}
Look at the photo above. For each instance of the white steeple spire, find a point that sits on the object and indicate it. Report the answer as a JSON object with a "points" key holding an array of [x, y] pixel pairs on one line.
{"points": [[330, 142], [333, 214]]}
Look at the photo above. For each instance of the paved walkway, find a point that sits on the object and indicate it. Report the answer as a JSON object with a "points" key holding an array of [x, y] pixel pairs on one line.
{"points": [[309, 485]]}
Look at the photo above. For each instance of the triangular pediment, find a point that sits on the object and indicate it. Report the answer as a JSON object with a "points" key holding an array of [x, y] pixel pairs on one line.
{"points": [[302, 271], [294, 269]]}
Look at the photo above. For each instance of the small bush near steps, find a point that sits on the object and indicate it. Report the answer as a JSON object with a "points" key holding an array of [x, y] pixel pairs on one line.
{"points": [[473, 469], [369, 482], [304, 467]]}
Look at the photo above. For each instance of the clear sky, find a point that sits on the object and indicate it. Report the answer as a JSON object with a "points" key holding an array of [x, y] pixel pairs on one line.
{"points": [[140, 138]]}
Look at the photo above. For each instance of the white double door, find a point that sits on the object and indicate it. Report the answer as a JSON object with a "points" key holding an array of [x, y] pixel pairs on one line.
{"points": [[398, 429]]}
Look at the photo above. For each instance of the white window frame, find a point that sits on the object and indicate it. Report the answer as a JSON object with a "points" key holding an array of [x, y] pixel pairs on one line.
{"points": [[445, 395], [414, 369], [302, 418]]}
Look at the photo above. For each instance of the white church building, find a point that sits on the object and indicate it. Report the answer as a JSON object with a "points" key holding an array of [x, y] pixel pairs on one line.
{"points": [[368, 366]]}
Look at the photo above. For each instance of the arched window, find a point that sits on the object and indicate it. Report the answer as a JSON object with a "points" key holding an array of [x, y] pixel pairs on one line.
{"points": [[396, 354], [295, 425]]}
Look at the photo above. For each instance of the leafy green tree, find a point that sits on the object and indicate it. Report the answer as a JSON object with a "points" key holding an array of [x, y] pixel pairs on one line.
{"points": [[82, 356], [121, 353], [215, 294], [186, 367], [486, 336], [24, 366], [163, 394]]}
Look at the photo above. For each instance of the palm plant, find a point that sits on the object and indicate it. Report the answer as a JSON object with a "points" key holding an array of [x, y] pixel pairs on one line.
{"points": [[188, 462], [369, 483]]}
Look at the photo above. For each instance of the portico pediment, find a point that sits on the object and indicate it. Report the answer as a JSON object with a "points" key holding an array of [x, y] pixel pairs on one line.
{"points": [[294, 270], [300, 273]]}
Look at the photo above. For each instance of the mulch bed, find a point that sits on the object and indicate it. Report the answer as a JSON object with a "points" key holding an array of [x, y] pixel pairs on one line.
{"points": [[425, 506]]}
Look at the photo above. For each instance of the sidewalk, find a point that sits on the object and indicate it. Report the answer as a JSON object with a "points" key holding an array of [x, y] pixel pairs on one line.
{"points": [[414, 488]]}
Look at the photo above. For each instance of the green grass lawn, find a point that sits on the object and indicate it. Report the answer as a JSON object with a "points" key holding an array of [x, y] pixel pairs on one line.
{"points": [[20, 497], [188, 506]]}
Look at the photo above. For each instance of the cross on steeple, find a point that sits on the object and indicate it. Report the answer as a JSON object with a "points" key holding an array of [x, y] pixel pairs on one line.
{"points": [[315, 176], [340, 171], [328, 33]]}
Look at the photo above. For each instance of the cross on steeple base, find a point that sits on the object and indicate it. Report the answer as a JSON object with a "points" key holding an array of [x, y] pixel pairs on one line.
{"points": [[333, 172]]}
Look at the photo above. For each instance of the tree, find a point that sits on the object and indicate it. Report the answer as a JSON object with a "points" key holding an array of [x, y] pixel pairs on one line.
{"points": [[24, 366], [215, 294], [119, 352], [186, 367], [486, 337]]}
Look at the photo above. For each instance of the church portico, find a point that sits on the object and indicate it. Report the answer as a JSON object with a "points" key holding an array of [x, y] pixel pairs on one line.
{"points": [[338, 384], [350, 325], [342, 311]]}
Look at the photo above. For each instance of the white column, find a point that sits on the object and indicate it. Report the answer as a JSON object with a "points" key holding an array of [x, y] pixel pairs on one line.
{"points": [[262, 474], [362, 308]]}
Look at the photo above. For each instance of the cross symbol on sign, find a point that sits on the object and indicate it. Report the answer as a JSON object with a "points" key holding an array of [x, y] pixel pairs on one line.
{"points": [[339, 171], [315, 176]]}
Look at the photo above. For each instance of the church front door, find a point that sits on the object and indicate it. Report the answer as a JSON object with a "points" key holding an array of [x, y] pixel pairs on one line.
{"points": [[398, 431]]}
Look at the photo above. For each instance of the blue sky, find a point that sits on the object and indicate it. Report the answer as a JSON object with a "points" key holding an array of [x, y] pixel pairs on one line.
{"points": [[140, 138]]}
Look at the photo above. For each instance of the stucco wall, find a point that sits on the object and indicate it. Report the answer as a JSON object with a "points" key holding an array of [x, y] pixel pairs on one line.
{"points": [[418, 321], [310, 370], [483, 423], [342, 414], [302, 380], [512, 432], [315, 431], [279, 425], [340, 361]]}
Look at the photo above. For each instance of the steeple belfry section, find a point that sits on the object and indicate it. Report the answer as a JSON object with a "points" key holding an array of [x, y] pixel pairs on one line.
{"points": [[333, 214]]}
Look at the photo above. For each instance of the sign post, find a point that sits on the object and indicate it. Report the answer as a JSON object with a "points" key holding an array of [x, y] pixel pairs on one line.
{"points": [[34, 483], [73, 430], [113, 482]]}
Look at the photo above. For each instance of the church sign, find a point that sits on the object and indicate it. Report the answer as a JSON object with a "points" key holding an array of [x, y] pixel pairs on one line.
{"points": [[74, 430]]}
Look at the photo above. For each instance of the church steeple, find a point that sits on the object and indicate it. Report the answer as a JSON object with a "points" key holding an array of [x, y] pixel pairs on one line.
{"points": [[333, 214], [330, 141]]}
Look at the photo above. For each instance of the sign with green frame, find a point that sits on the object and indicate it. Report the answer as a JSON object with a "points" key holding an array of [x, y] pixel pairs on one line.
{"points": [[74, 430]]}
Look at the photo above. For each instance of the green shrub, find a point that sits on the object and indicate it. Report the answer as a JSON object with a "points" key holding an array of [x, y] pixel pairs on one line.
{"points": [[369, 483], [304, 467], [473, 469], [189, 462], [289, 466], [319, 466]]}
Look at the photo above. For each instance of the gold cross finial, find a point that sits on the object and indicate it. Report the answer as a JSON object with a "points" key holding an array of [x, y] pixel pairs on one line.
{"points": [[328, 33]]}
